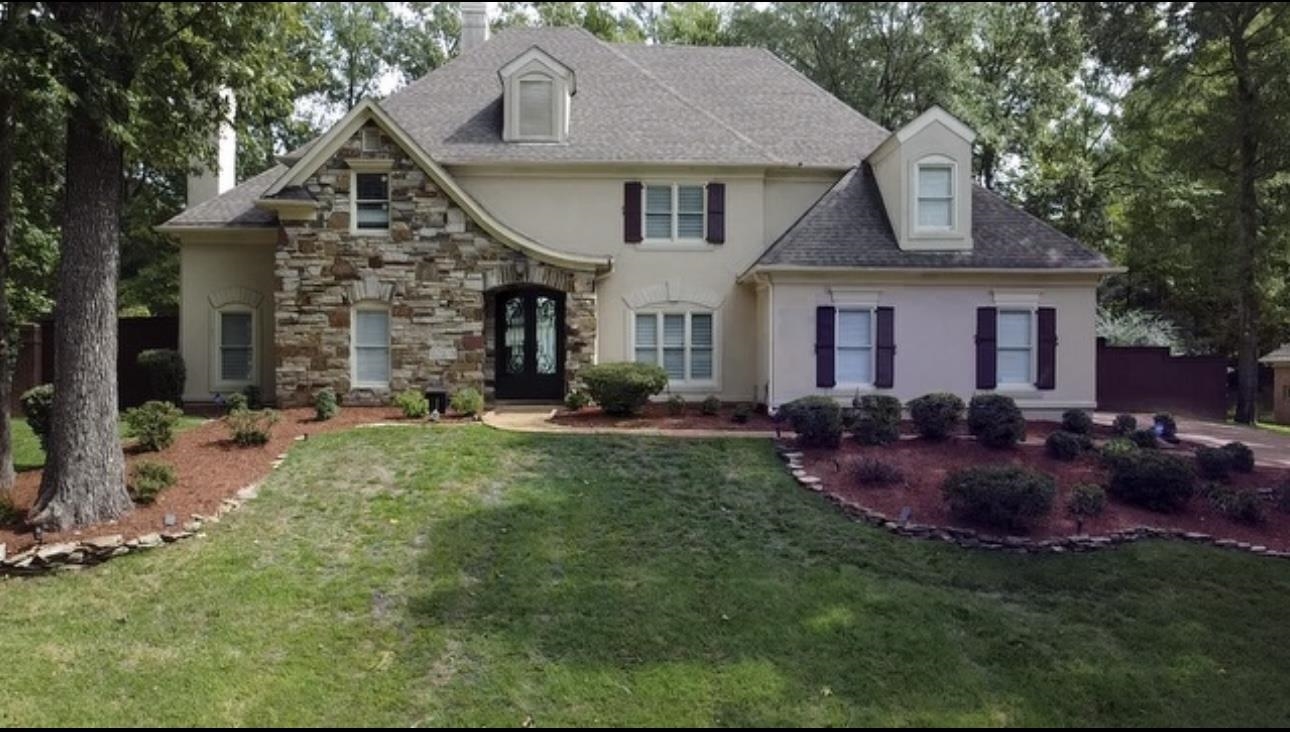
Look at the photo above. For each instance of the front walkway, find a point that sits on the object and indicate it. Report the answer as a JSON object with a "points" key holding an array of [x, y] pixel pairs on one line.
{"points": [[535, 419], [1270, 448]]}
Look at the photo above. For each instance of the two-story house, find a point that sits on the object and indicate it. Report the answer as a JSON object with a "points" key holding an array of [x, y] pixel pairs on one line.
{"points": [[548, 200]]}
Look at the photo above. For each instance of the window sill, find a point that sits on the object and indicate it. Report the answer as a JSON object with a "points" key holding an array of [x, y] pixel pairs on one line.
{"points": [[669, 245], [692, 387], [369, 232], [1016, 388]]}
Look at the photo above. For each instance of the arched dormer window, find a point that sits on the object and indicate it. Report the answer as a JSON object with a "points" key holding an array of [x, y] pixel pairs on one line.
{"points": [[536, 92]]}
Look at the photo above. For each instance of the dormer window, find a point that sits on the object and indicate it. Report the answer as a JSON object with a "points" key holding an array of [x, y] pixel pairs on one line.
{"points": [[935, 203], [536, 94], [537, 107]]}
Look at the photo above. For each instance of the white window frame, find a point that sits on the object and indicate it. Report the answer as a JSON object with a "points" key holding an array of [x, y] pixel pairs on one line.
{"points": [[371, 139], [353, 203], [353, 345], [675, 212], [218, 381], [686, 384], [935, 161], [1031, 312], [873, 348]]}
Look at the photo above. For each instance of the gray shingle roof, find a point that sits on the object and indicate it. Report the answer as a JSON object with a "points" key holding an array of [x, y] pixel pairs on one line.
{"points": [[848, 227], [234, 207]]}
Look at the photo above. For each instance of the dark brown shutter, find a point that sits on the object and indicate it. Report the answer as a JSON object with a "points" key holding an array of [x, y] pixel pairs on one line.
{"points": [[885, 364], [824, 324], [632, 212], [1046, 376], [986, 354], [716, 213]]}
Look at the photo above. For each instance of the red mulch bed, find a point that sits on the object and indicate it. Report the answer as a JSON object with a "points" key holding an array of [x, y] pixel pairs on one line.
{"points": [[208, 469], [925, 465], [655, 416]]}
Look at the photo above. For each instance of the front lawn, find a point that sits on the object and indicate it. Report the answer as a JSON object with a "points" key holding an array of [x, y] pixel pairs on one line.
{"points": [[27, 454], [461, 576]]}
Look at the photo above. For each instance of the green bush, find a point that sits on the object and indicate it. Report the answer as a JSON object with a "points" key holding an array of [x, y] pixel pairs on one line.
{"points": [[37, 405], [165, 372], [1116, 450], [1002, 496], [1124, 425], [817, 420], [254, 398], [413, 403], [236, 402], [576, 400], [9, 513], [148, 480], [624, 387], [1145, 439], [1241, 455], [996, 420], [1086, 501], [877, 419], [153, 424], [1166, 427], [1153, 480], [742, 413], [468, 402], [936, 415], [710, 406], [1077, 421], [675, 405], [326, 405], [251, 427], [1214, 463], [1064, 445], [1241, 506], [871, 471]]}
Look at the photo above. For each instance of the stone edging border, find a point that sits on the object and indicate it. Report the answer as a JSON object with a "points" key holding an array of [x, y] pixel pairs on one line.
{"points": [[971, 539], [77, 555]]}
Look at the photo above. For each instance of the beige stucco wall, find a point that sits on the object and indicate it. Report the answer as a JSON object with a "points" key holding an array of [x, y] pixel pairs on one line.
{"points": [[935, 319], [894, 164], [209, 269]]}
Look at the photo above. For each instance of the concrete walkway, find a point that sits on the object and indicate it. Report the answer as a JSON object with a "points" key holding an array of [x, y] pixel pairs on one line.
{"points": [[534, 419], [1270, 448]]}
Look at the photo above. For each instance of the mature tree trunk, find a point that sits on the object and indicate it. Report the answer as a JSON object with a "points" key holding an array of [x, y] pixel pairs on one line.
{"points": [[1247, 231], [84, 478], [7, 329]]}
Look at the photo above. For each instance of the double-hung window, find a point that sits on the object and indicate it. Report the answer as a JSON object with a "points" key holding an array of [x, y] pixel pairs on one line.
{"points": [[1015, 347], [236, 346], [853, 346], [681, 342], [935, 196], [371, 347], [371, 201], [674, 212]]}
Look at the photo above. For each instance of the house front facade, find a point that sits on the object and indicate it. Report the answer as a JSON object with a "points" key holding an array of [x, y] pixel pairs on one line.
{"points": [[548, 200]]}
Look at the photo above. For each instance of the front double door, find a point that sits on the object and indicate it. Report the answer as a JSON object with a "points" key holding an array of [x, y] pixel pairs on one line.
{"points": [[530, 344]]}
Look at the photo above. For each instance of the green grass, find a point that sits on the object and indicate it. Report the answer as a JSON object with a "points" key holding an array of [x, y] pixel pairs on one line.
{"points": [[27, 454], [460, 576]]}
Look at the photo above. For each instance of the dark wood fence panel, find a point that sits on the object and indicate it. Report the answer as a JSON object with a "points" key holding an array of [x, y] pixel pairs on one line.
{"points": [[1148, 379]]}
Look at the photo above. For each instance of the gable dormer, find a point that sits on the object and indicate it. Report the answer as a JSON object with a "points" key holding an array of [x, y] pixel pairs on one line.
{"points": [[924, 172], [536, 91]]}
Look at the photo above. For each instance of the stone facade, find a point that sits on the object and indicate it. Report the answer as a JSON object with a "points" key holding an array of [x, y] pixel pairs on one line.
{"points": [[435, 270]]}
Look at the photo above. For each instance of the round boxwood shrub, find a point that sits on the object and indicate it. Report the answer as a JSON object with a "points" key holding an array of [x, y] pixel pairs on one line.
{"points": [[817, 420], [165, 372], [1064, 445], [710, 407], [936, 415], [624, 387], [153, 424], [412, 403], [1145, 439], [37, 405], [1152, 480], [1077, 421], [467, 402], [1214, 463], [1241, 455], [1241, 506], [1166, 427], [741, 414], [1086, 501], [675, 405], [575, 400], [326, 405], [1124, 425], [1116, 449], [996, 420], [877, 419], [148, 480], [1001, 496]]}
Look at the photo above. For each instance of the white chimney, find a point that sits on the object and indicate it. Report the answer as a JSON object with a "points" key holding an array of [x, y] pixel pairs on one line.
{"points": [[209, 183], [474, 25]]}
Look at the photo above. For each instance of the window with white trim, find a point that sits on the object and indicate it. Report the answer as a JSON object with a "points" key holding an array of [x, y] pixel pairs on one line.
{"points": [[537, 107], [853, 346], [683, 343], [371, 201], [235, 339], [371, 140], [674, 211], [935, 188], [1015, 343], [371, 338]]}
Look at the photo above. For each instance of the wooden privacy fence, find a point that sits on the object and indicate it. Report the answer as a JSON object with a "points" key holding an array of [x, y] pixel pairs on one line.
{"points": [[1149, 379], [35, 364]]}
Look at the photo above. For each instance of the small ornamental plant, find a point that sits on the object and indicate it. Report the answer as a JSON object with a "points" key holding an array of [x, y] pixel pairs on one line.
{"points": [[575, 400], [710, 407], [326, 405], [741, 414], [877, 419], [936, 415], [412, 403], [1124, 425], [153, 425], [251, 427], [148, 480], [675, 405], [1087, 500], [468, 402], [1077, 421]]}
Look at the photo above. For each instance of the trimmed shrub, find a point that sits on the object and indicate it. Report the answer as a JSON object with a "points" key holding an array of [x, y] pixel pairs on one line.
{"points": [[850, 415], [1077, 421], [1002, 496], [1166, 427], [467, 402], [624, 387], [1281, 495], [742, 413], [675, 405], [817, 420], [1117, 449], [996, 420], [236, 401], [936, 415], [576, 400], [153, 424], [326, 405], [1145, 439], [1064, 445], [37, 403], [1086, 501], [871, 471], [1240, 506], [877, 419], [165, 372], [148, 480], [1213, 462], [710, 406], [413, 404], [254, 398], [1242, 456], [251, 427], [1152, 480], [1124, 425]]}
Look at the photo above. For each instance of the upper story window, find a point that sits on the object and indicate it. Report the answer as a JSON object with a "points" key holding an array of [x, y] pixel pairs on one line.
{"points": [[674, 212], [371, 140], [537, 107], [935, 204], [371, 201], [536, 94]]}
